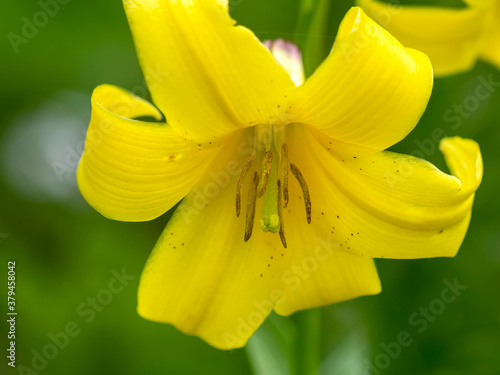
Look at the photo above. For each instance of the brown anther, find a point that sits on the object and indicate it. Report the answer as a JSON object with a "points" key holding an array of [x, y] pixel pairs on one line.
{"points": [[252, 197], [305, 190], [265, 171], [284, 173], [243, 174], [280, 215]]}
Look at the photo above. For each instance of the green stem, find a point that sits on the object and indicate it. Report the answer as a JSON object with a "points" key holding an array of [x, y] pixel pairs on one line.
{"points": [[308, 341], [311, 32]]}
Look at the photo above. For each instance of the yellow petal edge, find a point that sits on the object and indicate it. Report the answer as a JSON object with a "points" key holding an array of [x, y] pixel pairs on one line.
{"points": [[452, 38], [135, 170], [370, 91]]}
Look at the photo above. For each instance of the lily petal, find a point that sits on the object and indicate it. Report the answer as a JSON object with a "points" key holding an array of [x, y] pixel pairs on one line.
{"points": [[134, 170], [202, 277], [452, 38], [370, 91], [491, 48], [321, 272], [388, 205], [208, 76]]}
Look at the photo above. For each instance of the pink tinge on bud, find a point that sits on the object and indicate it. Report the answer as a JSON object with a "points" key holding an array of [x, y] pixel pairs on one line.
{"points": [[289, 56], [268, 43]]}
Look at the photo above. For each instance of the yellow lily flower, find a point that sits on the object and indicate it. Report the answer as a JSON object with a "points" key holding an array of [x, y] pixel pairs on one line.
{"points": [[247, 138], [453, 38]]}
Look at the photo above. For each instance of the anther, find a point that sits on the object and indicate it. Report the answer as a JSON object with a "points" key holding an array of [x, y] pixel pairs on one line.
{"points": [[280, 215], [265, 172], [252, 197], [243, 174], [284, 173], [305, 190]]}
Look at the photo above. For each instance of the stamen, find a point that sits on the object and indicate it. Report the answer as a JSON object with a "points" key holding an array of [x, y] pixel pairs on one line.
{"points": [[280, 215], [265, 172], [284, 173], [252, 197], [243, 174], [305, 190]]}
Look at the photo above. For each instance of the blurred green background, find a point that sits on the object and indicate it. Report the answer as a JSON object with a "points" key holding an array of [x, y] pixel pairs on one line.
{"points": [[66, 253]]}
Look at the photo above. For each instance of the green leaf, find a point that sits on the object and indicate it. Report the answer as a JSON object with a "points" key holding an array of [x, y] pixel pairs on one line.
{"points": [[308, 348]]}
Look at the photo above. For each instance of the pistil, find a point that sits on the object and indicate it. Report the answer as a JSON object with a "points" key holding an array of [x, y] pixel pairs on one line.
{"points": [[270, 221], [270, 182]]}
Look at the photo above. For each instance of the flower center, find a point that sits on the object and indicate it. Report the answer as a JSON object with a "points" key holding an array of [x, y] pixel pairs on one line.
{"points": [[270, 182]]}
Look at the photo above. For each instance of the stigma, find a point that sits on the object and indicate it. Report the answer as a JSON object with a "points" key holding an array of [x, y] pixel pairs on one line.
{"points": [[270, 169]]}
